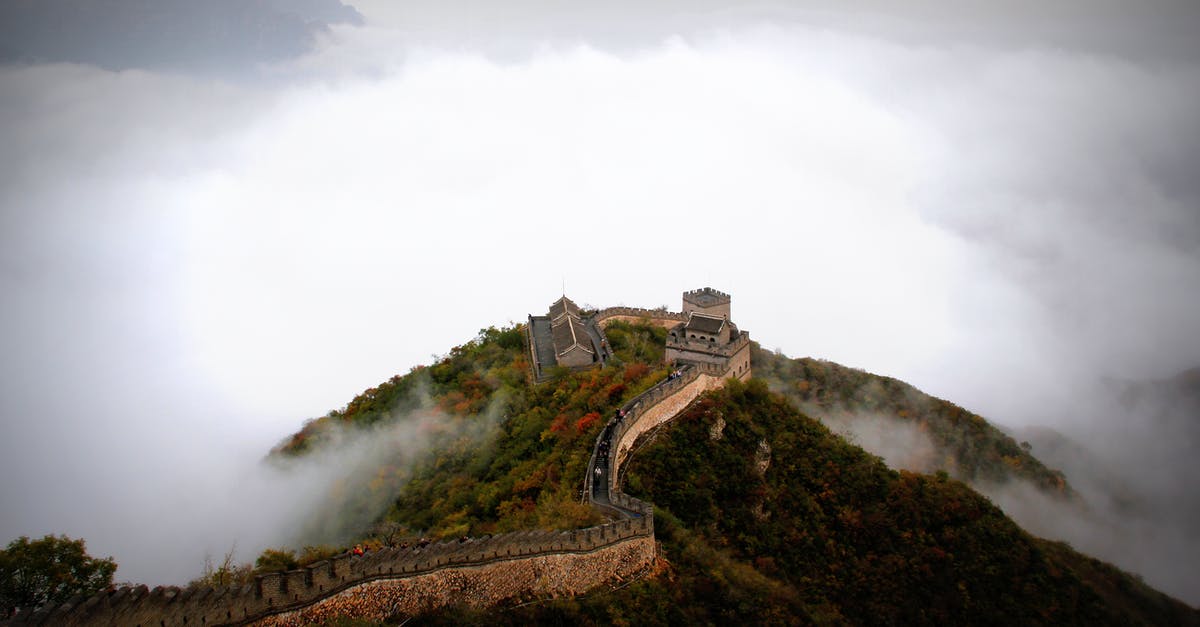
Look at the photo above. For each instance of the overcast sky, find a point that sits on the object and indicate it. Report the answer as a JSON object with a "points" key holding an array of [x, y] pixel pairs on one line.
{"points": [[198, 253]]}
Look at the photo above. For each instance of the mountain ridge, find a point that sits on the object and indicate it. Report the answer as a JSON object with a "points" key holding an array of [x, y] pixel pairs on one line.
{"points": [[522, 471]]}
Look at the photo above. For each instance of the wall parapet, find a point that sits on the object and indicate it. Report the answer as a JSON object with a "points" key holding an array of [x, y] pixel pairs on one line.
{"points": [[534, 362], [727, 350], [273, 594], [706, 291], [637, 312], [608, 458]]}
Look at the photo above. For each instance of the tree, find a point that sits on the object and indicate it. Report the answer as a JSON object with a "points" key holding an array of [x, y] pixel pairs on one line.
{"points": [[51, 570], [227, 573], [389, 532], [276, 560]]}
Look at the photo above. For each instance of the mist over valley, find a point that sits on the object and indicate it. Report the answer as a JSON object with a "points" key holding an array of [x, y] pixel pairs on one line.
{"points": [[222, 221]]}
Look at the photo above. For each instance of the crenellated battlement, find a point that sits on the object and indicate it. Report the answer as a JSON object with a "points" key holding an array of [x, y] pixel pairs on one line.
{"points": [[706, 293], [275, 593], [475, 571], [638, 313]]}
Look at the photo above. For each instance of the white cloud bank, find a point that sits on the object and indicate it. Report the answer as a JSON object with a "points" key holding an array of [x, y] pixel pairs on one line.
{"points": [[191, 267]]}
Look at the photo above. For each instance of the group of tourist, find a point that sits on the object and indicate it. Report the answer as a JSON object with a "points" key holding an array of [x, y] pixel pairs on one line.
{"points": [[602, 450], [602, 455]]}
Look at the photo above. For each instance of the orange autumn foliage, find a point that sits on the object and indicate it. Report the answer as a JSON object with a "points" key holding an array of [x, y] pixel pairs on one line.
{"points": [[586, 422]]}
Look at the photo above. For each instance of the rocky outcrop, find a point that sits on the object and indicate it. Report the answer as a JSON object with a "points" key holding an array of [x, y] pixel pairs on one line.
{"points": [[717, 430], [762, 457]]}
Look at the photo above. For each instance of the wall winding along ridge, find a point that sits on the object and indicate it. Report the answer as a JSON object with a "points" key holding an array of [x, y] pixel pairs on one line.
{"points": [[476, 571], [542, 574], [529, 562], [663, 318]]}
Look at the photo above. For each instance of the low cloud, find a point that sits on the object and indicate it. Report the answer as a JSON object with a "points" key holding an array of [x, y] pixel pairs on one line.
{"points": [[239, 501], [191, 263], [1161, 550], [364, 469], [1130, 453], [900, 443], [1127, 449]]}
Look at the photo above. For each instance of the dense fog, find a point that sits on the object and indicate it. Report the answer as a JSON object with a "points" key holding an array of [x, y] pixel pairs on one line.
{"points": [[220, 219]]}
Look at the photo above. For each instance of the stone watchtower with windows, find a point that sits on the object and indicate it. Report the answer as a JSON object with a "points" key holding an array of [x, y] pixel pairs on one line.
{"points": [[567, 337], [706, 301], [708, 336]]}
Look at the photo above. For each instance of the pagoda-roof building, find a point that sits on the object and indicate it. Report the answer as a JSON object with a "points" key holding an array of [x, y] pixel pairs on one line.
{"points": [[703, 336], [570, 335], [563, 338], [703, 323], [563, 307]]}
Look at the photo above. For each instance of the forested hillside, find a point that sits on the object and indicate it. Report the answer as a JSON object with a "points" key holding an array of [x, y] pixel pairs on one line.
{"points": [[763, 513], [767, 517], [504, 455], [963, 444]]}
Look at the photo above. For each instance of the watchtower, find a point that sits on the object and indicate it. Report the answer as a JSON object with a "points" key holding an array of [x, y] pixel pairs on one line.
{"points": [[707, 301], [708, 336]]}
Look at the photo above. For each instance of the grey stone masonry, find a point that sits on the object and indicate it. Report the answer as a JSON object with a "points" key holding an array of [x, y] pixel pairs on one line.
{"points": [[563, 338], [481, 571], [275, 593], [708, 336], [707, 300]]}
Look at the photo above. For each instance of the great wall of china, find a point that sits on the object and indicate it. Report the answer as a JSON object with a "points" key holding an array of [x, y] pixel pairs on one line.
{"points": [[476, 572]]}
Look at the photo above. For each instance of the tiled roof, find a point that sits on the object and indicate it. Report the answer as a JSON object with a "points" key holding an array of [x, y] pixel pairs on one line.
{"points": [[563, 306], [701, 323], [569, 333]]}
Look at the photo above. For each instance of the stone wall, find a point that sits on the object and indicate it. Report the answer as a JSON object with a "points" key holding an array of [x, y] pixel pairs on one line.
{"points": [[739, 363], [547, 575], [535, 363], [726, 351], [643, 413], [707, 300], [283, 592], [474, 571], [734, 356], [660, 413], [665, 319]]}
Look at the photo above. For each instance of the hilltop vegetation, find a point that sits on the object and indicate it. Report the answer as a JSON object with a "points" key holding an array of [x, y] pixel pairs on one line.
{"points": [[964, 444], [505, 454], [764, 514], [767, 517]]}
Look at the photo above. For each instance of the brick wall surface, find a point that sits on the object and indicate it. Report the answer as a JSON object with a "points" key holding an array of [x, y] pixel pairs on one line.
{"points": [[551, 575], [404, 582]]}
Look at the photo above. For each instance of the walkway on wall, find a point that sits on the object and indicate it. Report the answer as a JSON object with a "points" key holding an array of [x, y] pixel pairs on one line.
{"points": [[603, 484], [602, 350], [540, 331], [632, 520]]}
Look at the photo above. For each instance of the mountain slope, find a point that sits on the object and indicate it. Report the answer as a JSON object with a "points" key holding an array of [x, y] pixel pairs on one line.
{"points": [[501, 454], [764, 514], [947, 436], [768, 517]]}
